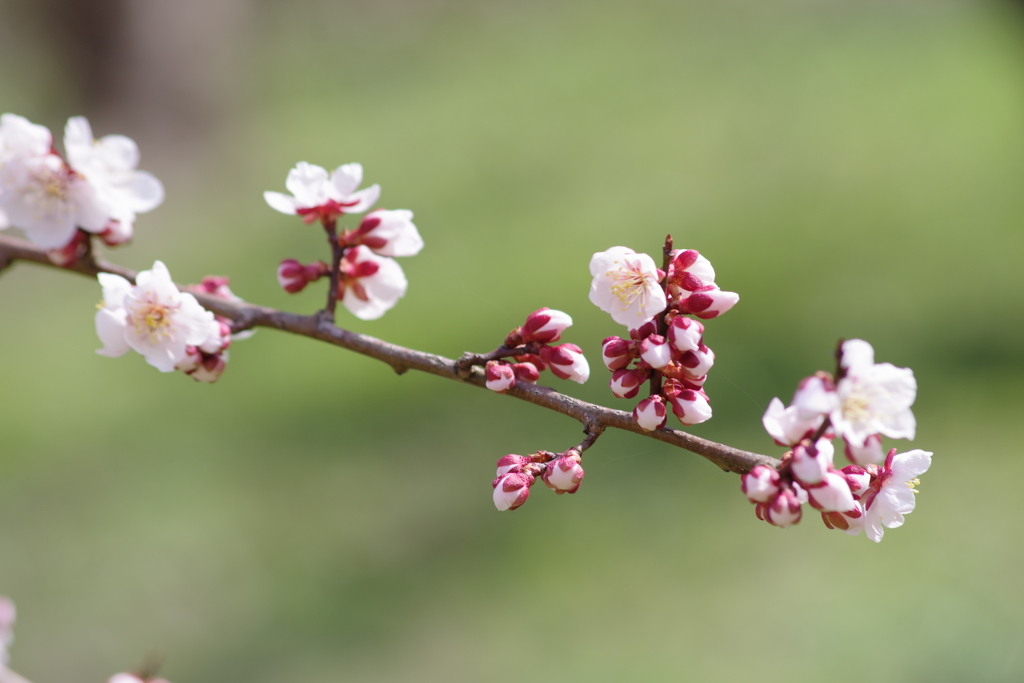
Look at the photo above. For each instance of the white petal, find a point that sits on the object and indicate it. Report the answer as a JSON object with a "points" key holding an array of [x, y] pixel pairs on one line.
{"points": [[144, 191], [346, 178], [281, 202], [857, 353], [115, 288], [309, 184], [910, 465], [110, 328], [364, 199]]}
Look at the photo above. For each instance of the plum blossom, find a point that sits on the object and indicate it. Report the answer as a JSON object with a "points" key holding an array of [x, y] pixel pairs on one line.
{"points": [[543, 326], [317, 195], [626, 285], [873, 398], [110, 165], [650, 413], [564, 474], [500, 377], [760, 484], [153, 318], [567, 362], [20, 139], [370, 285], [785, 425], [512, 489], [388, 233], [892, 492]]}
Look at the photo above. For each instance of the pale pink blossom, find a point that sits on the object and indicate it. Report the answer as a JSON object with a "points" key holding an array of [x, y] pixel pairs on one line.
{"points": [[317, 195], [786, 426], [388, 233], [110, 164], [650, 413], [873, 398], [370, 285], [626, 285], [20, 139], [892, 493], [152, 317], [871, 453]]}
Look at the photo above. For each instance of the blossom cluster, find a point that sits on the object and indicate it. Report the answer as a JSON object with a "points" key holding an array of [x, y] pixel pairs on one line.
{"points": [[863, 403], [59, 201], [664, 345], [560, 472], [369, 280], [529, 345], [167, 326]]}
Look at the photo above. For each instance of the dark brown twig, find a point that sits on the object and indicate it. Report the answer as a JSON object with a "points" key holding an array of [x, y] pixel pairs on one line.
{"points": [[245, 316]]}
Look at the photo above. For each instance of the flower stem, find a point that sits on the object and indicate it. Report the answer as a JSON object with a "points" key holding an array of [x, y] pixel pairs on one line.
{"points": [[331, 228]]}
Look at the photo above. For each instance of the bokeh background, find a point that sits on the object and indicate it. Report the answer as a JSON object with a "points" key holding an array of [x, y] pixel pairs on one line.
{"points": [[852, 168]]}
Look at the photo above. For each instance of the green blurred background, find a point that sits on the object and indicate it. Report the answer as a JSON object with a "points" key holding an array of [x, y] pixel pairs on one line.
{"points": [[851, 168]]}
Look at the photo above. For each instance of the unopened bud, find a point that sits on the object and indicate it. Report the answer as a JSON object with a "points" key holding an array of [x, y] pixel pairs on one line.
{"points": [[858, 478], [833, 494], [783, 510], [686, 334], [626, 383], [761, 484], [650, 413], [525, 372], [116, 233], [500, 377], [697, 363], [811, 462], [644, 331], [567, 362], [708, 304], [191, 362], [616, 353], [511, 490], [210, 369], [512, 462], [564, 474], [655, 351], [544, 326], [691, 407], [70, 252], [293, 276], [851, 521]]}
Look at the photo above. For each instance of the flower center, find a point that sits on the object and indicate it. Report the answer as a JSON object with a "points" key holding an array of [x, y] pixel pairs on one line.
{"points": [[856, 405], [153, 319], [629, 284]]}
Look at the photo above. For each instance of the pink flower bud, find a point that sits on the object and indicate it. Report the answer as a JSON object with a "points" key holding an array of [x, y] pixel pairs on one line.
{"points": [[644, 331], [811, 462], [686, 334], [191, 362], [690, 271], [689, 406], [511, 490], [858, 478], [709, 304], [650, 413], [291, 275], [564, 474], [783, 510], [681, 375], [70, 252], [833, 494], [655, 351], [870, 453], [616, 353], [525, 372], [567, 362], [697, 363], [500, 377], [210, 369], [626, 383], [116, 233], [761, 484], [512, 462], [545, 326]]}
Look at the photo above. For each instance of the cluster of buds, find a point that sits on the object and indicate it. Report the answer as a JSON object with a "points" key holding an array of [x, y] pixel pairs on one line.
{"points": [[529, 346], [664, 345], [369, 280], [560, 472], [167, 326], [60, 201], [865, 401]]}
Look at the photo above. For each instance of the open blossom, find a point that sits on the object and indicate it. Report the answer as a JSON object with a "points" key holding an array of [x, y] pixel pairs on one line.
{"points": [[388, 233], [110, 165], [370, 285], [626, 285], [152, 317], [873, 398], [892, 492], [317, 195], [786, 426], [20, 139]]}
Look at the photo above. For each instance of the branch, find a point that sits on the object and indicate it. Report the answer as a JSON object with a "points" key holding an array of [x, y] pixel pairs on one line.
{"points": [[246, 316]]}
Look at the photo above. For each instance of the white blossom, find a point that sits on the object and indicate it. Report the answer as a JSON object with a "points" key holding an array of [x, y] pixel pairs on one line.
{"points": [[626, 285], [152, 317], [317, 195], [874, 398], [372, 284], [786, 425], [389, 233], [892, 494]]}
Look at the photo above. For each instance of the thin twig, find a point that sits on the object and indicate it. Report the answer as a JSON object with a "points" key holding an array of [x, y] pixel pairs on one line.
{"points": [[245, 316]]}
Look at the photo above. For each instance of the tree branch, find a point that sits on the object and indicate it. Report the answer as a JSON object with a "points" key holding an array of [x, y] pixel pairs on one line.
{"points": [[246, 316]]}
